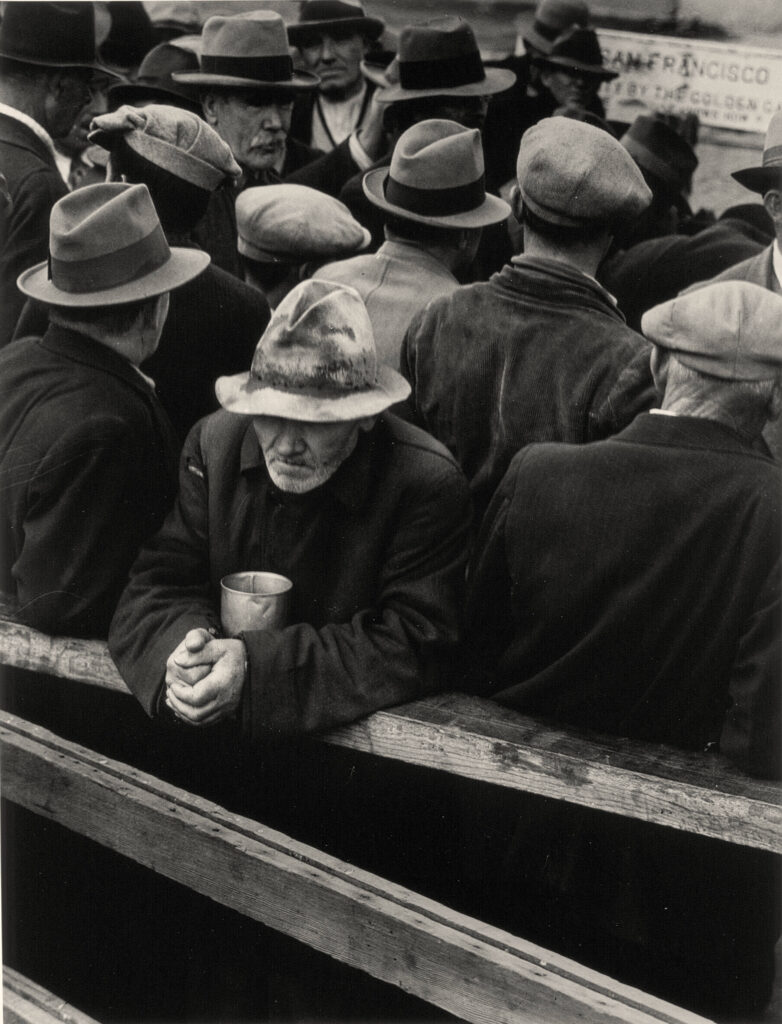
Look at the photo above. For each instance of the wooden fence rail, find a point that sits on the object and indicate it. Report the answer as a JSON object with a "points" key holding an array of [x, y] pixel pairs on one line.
{"points": [[24, 1002]]}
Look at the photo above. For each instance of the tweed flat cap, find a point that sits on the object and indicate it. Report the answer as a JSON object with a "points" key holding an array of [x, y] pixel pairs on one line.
{"points": [[574, 174], [293, 224], [176, 140], [731, 330]]}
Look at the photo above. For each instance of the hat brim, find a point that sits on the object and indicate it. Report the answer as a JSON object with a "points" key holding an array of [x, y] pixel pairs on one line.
{"points": [[491, 211], [541, 44], [240, 393], [496, 80], [375, 73], [100, 69], [301, 80], [372, 28], [183, 266], [759, 179], [132, 91], [563, 64]]}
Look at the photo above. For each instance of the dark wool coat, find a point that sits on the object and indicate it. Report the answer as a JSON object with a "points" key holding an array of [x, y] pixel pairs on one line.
{"points": [[35, 185], [87, 472], [376, 555], [537, 353], [632, 586]]}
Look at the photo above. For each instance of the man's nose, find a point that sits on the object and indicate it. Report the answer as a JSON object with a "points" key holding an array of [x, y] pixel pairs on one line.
{"points": [[327, 48], [272, 119], [289, 440]]}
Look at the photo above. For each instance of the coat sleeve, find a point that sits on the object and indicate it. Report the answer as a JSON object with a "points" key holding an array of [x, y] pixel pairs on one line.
{"points": [[753, 724], [169, 591], [85, 519], [304, 679]]}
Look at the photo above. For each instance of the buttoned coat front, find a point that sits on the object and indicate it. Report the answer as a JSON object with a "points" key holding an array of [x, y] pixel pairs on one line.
{"points": [[87, 472], [376, 556], [537, 353]]}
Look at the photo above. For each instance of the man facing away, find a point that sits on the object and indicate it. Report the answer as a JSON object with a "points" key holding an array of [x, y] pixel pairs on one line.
{"points": [[301, 473], [632, 587], [540, 351], [88, 456], [435, 204], [47, 67]]}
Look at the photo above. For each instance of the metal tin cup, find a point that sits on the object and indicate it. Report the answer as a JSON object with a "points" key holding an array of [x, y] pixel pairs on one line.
{"points": [[254, 600]]}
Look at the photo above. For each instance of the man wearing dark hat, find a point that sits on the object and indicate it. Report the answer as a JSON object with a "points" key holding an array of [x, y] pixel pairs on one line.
{"points": [[434, 201], [47, 65], [88, 456], [154, 83], [332, 37], [632, 586], [540, 351], [304, 474]]}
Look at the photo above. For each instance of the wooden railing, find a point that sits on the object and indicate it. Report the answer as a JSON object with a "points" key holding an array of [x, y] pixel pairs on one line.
{"points": [[467, 967], [24, 1002]]}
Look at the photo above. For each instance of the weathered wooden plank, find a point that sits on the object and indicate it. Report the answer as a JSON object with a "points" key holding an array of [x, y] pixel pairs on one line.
{"points": [[480, 740], [470, 969], [25, 1002], [477, 739]]}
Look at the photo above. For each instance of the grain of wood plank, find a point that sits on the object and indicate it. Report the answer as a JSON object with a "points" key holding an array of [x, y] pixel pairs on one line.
{"points": [[474, 971], [25, 1002]]}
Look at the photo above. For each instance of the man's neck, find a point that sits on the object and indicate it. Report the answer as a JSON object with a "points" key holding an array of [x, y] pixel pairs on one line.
{"points": [[584, 258]]}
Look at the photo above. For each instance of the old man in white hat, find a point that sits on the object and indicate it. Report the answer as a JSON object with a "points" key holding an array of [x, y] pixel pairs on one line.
{"points": [[302, 473], [633, 586]]}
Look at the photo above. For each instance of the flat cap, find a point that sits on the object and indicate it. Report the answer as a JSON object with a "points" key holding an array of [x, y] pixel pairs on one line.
{"points": [[574, 174], [176, 140], [294, 223], [731, 330]]}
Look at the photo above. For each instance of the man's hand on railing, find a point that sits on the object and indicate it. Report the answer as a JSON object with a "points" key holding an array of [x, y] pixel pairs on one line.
{"points": [[204, 678]]}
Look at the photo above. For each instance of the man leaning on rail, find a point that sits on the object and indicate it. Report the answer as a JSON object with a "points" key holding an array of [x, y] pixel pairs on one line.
{"points": [[302, 473]]}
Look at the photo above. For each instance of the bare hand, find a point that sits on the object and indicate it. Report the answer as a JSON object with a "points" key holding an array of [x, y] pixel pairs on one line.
{"points": [[204, 678]]}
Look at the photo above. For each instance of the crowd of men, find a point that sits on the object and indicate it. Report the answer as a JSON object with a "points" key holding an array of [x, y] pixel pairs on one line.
{"points": [[434, 339]]}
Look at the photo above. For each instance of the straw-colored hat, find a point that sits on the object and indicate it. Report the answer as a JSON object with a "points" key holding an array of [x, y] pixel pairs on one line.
{"points": [[107, 248], [247, 51], [316, 362], [436, 177], [769, 174]]}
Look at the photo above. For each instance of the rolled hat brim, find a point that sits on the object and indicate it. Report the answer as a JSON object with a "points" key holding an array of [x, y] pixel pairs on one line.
{"points": [[241, 393], [563, 64], [496, 80], [759, 179], [370, 27], [491, 211], [301, 80], [181, 267], [375, 73]]}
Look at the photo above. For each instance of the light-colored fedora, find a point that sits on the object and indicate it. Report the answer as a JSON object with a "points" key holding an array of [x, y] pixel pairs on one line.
{"points": [[107, 248], [436, 177], [316, 362], [769, 174], [441, 58], [247, 51]]}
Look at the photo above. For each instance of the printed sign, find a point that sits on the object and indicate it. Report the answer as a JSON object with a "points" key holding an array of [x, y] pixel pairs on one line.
{"points": [[726, 86]]}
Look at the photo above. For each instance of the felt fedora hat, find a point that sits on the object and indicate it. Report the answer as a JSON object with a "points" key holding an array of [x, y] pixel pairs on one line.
{"points": [[106, 248], [316, 362], [441, 57], [577, 49], [178, 141], [436, 177], [247, 51], [333, 16], [58, 35], [663, 154], [154, 82], [769, 174], [552, 18]]}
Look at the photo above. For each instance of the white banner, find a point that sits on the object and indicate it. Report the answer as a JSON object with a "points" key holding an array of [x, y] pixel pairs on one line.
{"points": [[727, 86]]}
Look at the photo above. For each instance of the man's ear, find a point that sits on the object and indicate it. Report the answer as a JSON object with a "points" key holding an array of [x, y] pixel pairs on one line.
{"points": [[775, 403], [658, 363], [209, 104], [516, 202], [772, 200]]}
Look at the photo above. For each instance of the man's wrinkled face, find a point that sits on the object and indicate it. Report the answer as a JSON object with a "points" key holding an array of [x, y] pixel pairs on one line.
{"points": [[571, 88], [254, 124], [301, 456], [335, 57]]}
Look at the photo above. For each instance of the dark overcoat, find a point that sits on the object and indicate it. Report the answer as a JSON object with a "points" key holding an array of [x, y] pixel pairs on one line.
{"points": [[537, 353], [35, 185], [87, 472], [376, 555]]}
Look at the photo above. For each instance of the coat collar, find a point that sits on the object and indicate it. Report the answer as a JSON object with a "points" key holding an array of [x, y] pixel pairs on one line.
{"points": [[552, 280], [687, 432], [20, 129], [81, 349], [350, 485]]}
